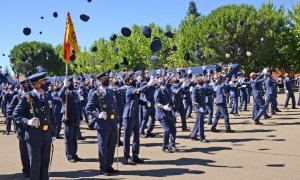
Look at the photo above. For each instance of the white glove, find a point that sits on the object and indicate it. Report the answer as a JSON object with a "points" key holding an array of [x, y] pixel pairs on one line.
{"points": [[139, 79], [33, 122], [215, 88], [124, 87], [151, 82], [201, 109], [189, 71], [243, 86], [191, 88], [148, 103], [53, 139], [184, 84], [286, 91], [81, 98], [102, 115], [167, 108], [66, 82]]}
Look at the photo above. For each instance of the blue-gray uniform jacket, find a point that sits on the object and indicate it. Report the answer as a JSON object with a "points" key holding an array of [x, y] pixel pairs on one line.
{"points": [[269, 85], [119, 95], [198, 98], [209, 99], [149, 94], [233, 88], [256, 85], [163, 97], [133, 100], [74, 110], [57, 104], [102, 102], [186, 93], [288, 85], [8, 97], [43, 112], [177, 95], [221, 94], [20, 128]]}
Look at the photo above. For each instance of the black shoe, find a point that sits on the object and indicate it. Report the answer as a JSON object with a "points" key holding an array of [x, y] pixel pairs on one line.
{"points": [[258, 123], [104, 172], [138, 161], [166, 150], [229, 131], [6, 133], [26, 175], [204, 141], [78, 159], [129, 162], [59, 137], [268, 117], [150, 135], [120, 143], [214, 130], [72, 160], [294, 108], [231, 113], [113, 171], [173, 149], [190, 116], [273, 113], [209, 123], [194, 138], [278, 110]]}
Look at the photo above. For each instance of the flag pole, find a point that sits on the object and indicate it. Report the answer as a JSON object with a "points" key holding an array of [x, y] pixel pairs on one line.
{"points": [[66, 93]]}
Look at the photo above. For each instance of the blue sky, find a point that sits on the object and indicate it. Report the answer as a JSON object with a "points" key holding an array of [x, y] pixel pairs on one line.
{"points": [[106, 17]]}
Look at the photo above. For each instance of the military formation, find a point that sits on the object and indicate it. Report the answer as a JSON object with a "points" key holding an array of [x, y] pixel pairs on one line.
{"points": [[126, 106]]}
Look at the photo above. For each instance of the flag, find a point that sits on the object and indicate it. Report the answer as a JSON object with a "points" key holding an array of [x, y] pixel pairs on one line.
{"points": [[70, 40]]}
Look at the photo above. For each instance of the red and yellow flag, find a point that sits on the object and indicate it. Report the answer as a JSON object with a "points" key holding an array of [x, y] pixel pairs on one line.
{"points": [[70, 40]]}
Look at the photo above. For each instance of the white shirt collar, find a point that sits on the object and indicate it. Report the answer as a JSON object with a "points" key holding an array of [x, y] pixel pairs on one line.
{"points": [[38, 94]]}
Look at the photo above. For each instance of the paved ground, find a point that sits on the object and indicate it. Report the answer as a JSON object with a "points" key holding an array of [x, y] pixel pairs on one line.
{"points": [[271, 151]]}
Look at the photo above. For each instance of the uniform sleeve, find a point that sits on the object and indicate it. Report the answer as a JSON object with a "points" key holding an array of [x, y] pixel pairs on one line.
{"points": [[21, 112], [12, 105], [157, 99], [62, 94], [92, 105]]}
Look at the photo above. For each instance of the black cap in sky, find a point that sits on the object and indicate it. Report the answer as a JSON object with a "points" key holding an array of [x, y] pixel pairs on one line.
{"points": [[27, 31], [126, 31], [116, 66], [174, 48], [42, 17], [155, 45], [94, 49], [3, 54], [113, 37], [147, 31], [124, 61], [72, 57], [89, 1], [187, 56], [153, 57], [116, 49], [169, 34], [55, 15], [84, 17], [41, 32], [242, 22]]}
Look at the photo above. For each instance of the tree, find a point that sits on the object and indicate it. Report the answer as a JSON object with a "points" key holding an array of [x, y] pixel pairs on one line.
{"points": [[6, 72], [29, 55], [192, 10]]}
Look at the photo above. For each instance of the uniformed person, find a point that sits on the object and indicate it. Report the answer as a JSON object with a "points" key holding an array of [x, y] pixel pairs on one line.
{"points": [[20, 129], [288, 89], [71, 120], [102, 108], [8, 96], [165, 114], [221, 94], [209, 100], [233, 91], [131, 119], [33, 110]]}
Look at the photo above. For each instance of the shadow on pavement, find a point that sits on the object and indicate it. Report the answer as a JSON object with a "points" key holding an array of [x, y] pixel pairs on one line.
{"points": [[209, 150], [189, 161], [17, 176], [276, 165], [236, 140], [161, 172]]}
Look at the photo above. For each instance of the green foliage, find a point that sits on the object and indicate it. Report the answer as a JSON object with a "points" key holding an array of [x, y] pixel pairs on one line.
{"points": [[36, 54], [232, 29], [6, 72]]}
